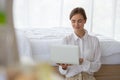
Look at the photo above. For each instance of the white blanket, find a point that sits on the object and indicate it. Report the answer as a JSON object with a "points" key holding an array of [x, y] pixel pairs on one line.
{"points": [[38, 42], [108, 47]]}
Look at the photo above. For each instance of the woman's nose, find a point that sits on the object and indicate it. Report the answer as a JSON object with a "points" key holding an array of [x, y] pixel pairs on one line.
{"points": [[76, 23]]}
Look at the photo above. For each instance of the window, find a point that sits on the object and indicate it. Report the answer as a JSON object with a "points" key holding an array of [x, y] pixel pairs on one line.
{"points": [[46, 13], [102, 18]]}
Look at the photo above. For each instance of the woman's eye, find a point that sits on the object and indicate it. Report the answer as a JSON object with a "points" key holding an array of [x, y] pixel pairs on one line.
{"points": [[80, 21]]}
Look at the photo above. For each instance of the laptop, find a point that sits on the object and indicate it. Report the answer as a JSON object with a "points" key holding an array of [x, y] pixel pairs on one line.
{"points": [[67, 54]]}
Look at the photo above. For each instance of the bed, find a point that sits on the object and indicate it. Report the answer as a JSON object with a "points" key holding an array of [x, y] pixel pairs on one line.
{"points": [[39, 48], [110, 69], [110, 50], [110, 59]]}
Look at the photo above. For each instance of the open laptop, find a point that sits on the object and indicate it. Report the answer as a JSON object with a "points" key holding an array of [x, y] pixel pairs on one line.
{"points": [[68, 54]]}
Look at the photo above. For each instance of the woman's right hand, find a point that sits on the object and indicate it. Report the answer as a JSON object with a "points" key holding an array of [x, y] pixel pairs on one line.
{"points": [[64, 66]]}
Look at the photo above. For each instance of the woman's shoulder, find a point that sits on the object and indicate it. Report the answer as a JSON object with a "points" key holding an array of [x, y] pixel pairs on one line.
{"points": [[93, 37]]}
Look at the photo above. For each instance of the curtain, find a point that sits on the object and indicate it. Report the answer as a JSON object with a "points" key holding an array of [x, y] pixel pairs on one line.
{"points": [[106, 20], [103, 15], [46, 13]]}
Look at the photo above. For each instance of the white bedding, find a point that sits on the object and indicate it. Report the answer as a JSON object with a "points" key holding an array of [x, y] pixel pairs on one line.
{"points": [[40, 49], [110, 50], [109, 46], [111, 59], [39, 43]]}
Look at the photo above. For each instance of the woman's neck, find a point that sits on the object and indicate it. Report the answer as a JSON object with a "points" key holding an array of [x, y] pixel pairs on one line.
{"points": [[80, 33]]}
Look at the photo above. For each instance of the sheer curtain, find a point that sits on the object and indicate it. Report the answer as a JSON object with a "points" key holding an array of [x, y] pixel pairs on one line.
{"points": [[103, 15], [106, 20], [46, 13]]}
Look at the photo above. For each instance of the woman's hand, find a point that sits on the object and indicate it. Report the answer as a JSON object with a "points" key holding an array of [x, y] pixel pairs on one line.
{"points": [[64, 66], [81, 60]]}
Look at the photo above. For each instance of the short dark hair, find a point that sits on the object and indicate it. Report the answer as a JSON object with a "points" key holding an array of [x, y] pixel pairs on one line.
{"points": [[78, 10]]}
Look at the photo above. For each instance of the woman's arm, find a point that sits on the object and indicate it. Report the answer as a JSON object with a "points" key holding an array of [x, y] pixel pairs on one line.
{"points": [[93, 66]]}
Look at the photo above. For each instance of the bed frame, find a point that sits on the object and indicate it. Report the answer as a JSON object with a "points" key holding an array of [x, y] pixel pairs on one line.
{"points": [[106, 72]]}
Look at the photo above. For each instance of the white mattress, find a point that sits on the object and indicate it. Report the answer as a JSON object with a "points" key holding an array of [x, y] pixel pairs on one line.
{"points": [[111, 59], [110, 50], [40, 39], [40, 50]]}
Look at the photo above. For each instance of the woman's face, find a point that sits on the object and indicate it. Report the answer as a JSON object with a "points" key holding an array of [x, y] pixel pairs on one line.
{"points": [[78, 22]]}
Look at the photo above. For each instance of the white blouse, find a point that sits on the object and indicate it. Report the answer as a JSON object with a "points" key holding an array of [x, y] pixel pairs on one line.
{"points": [[89, 50]]}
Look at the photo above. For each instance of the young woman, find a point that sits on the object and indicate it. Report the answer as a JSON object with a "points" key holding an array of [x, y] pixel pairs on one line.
{"points": [[89, 48]]}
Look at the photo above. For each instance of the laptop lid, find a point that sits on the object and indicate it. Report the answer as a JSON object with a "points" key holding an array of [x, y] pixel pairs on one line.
{"points": [[68, 54]]}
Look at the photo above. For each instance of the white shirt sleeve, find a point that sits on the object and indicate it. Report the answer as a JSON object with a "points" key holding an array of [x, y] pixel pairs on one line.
{"points": [[93, 66], [63, 72]]}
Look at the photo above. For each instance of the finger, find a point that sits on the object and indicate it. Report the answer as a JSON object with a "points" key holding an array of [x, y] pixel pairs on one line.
{"points": [[58, 63], [64, 65]]}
